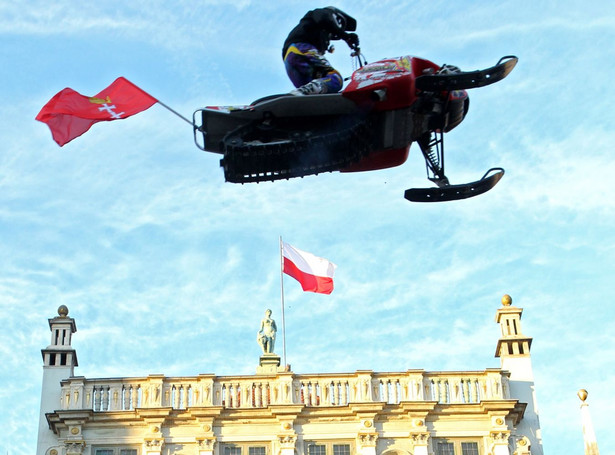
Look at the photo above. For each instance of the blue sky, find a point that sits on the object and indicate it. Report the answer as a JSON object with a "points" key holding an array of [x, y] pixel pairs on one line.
{"points": [[168, 269]]}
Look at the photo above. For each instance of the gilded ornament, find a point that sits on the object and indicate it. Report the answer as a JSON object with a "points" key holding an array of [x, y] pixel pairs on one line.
{"points": [[206, 427], [582, 394], [499, 421], [63, 311], [367, 424], [506, 300]]}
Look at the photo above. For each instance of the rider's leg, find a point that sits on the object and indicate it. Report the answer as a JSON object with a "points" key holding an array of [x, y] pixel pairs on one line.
{"points": [[332, 81], [310, 72]]}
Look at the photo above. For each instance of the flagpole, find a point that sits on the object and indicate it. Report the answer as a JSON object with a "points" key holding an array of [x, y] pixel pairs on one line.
{"points": [[282, 299], [161, 103], [175, 112]]}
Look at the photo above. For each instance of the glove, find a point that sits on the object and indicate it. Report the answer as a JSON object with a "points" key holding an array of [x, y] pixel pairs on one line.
{"points": [[352, 39]]}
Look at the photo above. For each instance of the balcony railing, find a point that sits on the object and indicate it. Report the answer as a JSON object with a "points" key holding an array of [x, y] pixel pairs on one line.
{"points": [[321, 390]]}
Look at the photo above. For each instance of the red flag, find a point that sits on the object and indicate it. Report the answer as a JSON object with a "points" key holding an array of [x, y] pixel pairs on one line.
{"points": [[69, 114], [315, 274]]}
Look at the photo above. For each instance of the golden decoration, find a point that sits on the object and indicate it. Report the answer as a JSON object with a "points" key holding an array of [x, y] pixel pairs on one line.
{"points": [[155, 429], [74, 430], [582, 394], [521, 442], [506, 300], [367, 424], [207, 427], [419, 423], [63, 311], [53, 452], [287, 426], [499, 421], [95, 100]]}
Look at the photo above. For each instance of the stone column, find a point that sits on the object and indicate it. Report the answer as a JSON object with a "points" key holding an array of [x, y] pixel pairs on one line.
{"points": [[153, 446], [207, 441], [589, 437], [287, 439], [500, 442], [367, 434], [367, 438], [419, 435], [286, 436], [420, 442], [205, 444]]}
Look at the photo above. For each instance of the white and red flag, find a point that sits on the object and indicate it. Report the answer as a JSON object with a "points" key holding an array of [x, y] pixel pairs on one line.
{"points": [[314, 273], [69, 114]]}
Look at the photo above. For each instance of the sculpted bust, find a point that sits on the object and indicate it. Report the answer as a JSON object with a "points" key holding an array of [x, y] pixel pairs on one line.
{"points": [[266, 334]]}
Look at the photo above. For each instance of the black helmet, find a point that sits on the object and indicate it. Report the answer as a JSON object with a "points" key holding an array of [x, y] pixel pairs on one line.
{"points": [[344, 21]]}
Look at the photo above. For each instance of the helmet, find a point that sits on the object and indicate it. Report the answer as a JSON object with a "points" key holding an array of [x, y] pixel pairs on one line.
{"points": [[343, 20]]}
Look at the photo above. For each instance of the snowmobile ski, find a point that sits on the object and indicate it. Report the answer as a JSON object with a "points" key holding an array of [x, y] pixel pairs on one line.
{"points": [[456, 192], [467, 79]]}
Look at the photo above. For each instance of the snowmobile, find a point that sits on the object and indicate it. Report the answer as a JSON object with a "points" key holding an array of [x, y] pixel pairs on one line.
{"points": [[386, 106]]}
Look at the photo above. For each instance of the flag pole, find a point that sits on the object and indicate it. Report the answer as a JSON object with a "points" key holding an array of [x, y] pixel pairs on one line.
{"points": [[175, 112], [161, 103], [282, 298]]}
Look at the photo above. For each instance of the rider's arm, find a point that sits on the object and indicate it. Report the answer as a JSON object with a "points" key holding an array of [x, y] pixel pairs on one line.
{"points": [[326, 19], [352, 39]]}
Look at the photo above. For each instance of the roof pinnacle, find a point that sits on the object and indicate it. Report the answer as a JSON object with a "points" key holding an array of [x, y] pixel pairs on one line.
{"points": [[506, 300]]}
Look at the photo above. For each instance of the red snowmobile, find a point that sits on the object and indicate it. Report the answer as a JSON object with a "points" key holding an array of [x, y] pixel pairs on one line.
{"points": [[370, 125]]}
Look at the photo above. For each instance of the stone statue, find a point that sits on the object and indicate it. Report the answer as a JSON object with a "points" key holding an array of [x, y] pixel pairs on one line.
{"points": [[266, 334]]}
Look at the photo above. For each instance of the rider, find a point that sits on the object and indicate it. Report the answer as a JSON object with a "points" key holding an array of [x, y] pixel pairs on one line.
{"points": [[304, 49]]}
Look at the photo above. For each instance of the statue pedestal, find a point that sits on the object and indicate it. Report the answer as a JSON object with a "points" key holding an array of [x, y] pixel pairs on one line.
{"points": [[269, 364]]}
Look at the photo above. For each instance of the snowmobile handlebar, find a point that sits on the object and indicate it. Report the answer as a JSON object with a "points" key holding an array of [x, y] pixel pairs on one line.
{"points": [[358, 55]]}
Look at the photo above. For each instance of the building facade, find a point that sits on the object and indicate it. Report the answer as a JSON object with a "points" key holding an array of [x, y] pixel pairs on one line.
{"points": [[278, 412]]}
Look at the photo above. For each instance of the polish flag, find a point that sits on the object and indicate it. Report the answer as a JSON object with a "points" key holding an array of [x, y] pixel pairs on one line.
{"points": [[315, 274]]}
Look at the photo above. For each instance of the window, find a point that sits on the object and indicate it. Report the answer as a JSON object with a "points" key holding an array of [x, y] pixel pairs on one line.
{"points": [[455, 447], [469, 448], [243, 449], [322, 448], [316, 449], [116, 451], [445, 448]]}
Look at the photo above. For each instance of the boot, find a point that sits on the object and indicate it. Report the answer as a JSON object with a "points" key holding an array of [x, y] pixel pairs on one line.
{"points": [[311, 88]]}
